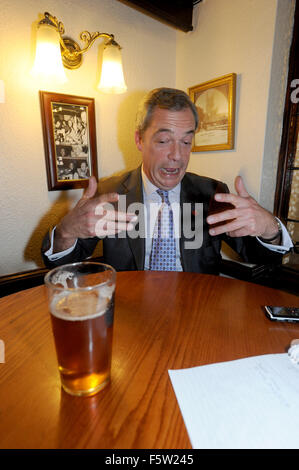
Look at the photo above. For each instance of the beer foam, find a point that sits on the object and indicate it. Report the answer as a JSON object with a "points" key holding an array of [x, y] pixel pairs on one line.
{"points": [[80, 306], [106, 291]]}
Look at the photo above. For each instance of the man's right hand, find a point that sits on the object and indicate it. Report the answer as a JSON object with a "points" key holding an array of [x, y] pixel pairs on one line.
{"points": [[92, 216]]}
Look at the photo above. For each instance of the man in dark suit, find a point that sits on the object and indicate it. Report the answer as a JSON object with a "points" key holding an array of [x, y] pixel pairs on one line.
{"points": [[166, 122]]}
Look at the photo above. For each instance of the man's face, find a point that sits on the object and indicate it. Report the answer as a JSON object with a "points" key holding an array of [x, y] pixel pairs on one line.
{"points": [[165, 146]]}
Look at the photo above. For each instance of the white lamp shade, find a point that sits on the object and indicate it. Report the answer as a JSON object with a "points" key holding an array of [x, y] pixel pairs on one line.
{"points": [[48, 62], [112, 76]]}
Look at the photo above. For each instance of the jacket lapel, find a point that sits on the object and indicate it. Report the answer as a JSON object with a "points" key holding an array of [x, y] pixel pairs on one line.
{"points": [[132, 188], [191, 193], [184, 198]]}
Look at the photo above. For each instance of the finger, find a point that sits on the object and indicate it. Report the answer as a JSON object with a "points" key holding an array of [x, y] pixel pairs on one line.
{"points": [[118, 216], [240, 187], [105, 200], [104, 228], [237, 201], [228, 198], [225, 215], [107, 210], [91, 188], [236, 224]]}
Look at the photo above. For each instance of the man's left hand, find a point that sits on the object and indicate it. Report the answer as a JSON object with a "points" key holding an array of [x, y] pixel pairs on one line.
{"points": [[249, 218]]}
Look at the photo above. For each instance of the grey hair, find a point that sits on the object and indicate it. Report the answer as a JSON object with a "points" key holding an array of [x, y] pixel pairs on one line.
{"points": [[164, 98]]}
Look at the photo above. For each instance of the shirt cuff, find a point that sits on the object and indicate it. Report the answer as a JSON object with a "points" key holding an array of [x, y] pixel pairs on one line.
{"points": [[54, 256], [286, 241]]}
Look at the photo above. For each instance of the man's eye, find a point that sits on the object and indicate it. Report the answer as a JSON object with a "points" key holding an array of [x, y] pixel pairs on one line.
{"points": [[186, 142]]}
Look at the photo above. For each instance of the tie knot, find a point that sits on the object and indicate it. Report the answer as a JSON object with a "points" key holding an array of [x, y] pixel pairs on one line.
{"points": [[164, 195]]}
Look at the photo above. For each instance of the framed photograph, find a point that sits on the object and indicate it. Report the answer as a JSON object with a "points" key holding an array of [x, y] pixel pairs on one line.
{"points": [[70, 140], [215, 102]]}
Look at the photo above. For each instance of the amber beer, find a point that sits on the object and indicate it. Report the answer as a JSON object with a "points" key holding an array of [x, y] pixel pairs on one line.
{"points": [[82, 323]]}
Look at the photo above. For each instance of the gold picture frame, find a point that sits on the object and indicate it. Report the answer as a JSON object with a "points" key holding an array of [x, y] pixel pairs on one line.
{"points": [[215, 102]]}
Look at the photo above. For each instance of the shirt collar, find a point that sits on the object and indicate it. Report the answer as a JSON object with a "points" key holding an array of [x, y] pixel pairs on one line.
{"points": [[150, 189]]}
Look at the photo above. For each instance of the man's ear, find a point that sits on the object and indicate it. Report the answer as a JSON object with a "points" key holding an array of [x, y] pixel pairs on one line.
{"points": [[138, 140]]}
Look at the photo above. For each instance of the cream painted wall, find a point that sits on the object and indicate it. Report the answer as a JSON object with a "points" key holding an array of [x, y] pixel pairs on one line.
{"points": [[252, 39], [27, 209]]}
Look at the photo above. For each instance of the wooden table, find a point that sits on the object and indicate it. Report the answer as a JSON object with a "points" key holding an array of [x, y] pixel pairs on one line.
{"points": [[162, 321]]}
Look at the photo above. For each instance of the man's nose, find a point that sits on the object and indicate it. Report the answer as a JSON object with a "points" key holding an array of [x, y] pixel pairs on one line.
{"points": [[174, 151]]}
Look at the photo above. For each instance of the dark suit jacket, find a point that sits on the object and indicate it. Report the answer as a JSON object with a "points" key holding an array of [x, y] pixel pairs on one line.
{"points": [[127, 254]]}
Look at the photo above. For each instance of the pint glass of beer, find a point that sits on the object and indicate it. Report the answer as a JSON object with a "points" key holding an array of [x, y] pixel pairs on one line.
{"points": [[81, 301]]}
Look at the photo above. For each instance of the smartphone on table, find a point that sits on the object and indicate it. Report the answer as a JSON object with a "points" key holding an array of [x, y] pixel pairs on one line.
{"points": [[282, 313]]}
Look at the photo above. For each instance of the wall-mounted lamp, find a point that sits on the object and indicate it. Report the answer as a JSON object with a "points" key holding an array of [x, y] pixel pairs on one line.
{"points": [[54, 51]]}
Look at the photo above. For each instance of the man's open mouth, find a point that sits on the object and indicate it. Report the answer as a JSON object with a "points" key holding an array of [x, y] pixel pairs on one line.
{"points": [[170, 171]]}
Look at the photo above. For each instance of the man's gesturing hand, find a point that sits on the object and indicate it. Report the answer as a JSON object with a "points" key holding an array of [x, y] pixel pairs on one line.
{"points": [[92, 216], [246, 218]]}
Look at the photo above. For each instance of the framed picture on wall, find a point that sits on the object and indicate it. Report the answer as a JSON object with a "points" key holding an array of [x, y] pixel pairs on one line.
{"points": [[69, 133], [215, 103]]}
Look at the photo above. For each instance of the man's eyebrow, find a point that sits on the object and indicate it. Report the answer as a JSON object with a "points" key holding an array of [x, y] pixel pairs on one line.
{"points": [[192, 131], [162, 130]]}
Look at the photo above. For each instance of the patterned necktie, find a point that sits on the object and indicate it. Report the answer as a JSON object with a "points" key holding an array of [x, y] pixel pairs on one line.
{"points": [[163, 256]]}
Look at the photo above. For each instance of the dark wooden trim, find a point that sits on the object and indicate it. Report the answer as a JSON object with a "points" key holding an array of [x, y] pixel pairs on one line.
{"points": [[286, 278], [282, 277], [286, 156], [11, 283], [175, 13], [242, 271]]}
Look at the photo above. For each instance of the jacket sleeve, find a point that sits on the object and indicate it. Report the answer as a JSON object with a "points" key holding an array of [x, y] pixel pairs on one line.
{"points": [[252, 251]]}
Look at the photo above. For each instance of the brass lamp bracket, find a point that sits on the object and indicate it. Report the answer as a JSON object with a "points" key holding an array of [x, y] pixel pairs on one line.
{"points": [[71, 52]]}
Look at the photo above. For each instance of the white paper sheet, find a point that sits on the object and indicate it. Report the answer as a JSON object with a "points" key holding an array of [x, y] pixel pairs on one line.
{"points": [[250, 403]]}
